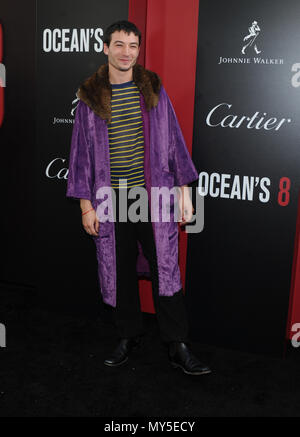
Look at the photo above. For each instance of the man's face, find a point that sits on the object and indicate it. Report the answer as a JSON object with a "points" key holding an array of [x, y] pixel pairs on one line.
{"points": [[123, 50]]}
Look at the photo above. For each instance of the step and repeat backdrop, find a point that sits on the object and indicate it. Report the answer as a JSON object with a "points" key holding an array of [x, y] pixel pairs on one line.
{"points": [[246, 146]]}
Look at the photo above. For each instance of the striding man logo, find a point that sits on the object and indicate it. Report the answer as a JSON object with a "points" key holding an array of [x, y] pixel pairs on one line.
{"points": [[250, 39], [75, 107]]}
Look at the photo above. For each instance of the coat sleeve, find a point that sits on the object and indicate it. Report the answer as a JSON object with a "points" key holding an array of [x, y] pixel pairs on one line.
{"points": [[180, 159], [81, 164]]}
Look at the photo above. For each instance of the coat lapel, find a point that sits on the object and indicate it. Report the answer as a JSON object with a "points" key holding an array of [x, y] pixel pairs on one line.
{"points": [[96, 90]]}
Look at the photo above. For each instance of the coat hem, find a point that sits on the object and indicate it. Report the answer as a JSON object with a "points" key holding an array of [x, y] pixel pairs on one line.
{"points": [[79, 196]]}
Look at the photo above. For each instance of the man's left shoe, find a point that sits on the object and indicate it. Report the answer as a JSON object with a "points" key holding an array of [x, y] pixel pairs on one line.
{"points": [[180, 356]]}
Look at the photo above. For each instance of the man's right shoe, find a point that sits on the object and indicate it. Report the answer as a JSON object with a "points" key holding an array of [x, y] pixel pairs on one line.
{"points": [[120, 354], [181, 356]]}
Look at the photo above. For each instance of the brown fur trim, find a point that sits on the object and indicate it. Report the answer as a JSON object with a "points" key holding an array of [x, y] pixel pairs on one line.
{"points": [[96, 90]]}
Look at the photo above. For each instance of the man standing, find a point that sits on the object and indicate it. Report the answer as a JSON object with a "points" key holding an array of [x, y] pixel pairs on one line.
{"points": [[126, 136]]}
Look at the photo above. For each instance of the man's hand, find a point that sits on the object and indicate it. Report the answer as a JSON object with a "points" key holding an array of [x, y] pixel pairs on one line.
{"points": [[186, 208], [89, 220], [91, 223]]}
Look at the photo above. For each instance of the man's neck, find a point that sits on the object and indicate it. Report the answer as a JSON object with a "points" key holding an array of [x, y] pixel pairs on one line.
{"points": [[117, 76]]}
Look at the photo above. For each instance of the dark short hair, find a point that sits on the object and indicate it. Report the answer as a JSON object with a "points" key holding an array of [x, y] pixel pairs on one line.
{"points": [[124, 25]]}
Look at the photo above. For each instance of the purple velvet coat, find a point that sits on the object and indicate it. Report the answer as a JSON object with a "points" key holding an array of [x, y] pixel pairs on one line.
{"points": [[167, 162]]}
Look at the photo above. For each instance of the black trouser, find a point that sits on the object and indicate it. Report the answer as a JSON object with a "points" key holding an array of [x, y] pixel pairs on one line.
{"points": [[170, 310]]}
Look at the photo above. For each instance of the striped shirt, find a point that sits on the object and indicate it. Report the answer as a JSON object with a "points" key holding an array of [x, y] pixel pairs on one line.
{"points": [[126, 137]]}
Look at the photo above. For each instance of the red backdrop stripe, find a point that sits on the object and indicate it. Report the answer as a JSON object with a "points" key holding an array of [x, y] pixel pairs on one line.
{"points": [[137, 13], [294, 305], [171, 32]]}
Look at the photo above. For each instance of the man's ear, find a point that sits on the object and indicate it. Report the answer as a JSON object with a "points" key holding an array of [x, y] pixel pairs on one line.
{"points": [[105, 48]]}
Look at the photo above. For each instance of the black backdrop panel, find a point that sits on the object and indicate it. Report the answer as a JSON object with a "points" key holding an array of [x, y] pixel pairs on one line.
{"points": [[69, 49], [246, 143], [17, 141]]}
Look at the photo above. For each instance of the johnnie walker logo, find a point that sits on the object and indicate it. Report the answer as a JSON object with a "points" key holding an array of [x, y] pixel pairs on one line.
{"points": [[60, 120], [250, 50]]}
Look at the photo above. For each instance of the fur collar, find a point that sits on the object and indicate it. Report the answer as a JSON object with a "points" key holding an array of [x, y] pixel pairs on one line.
{"points": [[95, 91]]}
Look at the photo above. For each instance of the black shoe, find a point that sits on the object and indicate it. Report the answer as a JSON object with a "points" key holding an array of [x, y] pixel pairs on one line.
{"points": [[180, 356], [120, 354]]}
